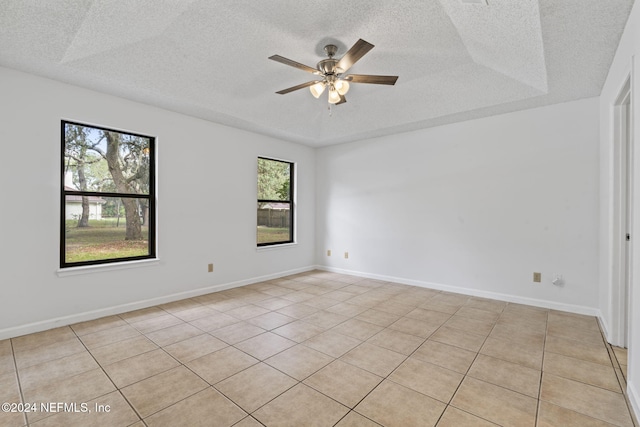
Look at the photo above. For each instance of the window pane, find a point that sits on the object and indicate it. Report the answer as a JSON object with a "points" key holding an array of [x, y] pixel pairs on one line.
{"points": [[108, 202], [274, 222], [89, 152], [105, 235], [274, 180]]}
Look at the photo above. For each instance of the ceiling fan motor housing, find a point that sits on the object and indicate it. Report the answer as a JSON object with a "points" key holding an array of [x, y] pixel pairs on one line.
{"points": [[328, 66]]}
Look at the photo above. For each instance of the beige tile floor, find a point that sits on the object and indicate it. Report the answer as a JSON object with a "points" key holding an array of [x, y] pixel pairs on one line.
{"points": [[320, 349]]}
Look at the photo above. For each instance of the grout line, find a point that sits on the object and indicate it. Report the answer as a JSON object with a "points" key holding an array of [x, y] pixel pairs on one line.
{"points": [[248, 416], [544, 346], [17, 374], [613, 357], [470, 365], [334, 359], [107, 375]]}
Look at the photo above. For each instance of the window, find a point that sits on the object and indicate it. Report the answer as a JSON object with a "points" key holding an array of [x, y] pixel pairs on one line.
{"points": [[107, 197], [275, 202]]}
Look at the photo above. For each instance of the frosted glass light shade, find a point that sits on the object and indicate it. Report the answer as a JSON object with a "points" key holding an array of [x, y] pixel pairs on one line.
{"points": [[342, 87], [317, 89], [334, 96]]}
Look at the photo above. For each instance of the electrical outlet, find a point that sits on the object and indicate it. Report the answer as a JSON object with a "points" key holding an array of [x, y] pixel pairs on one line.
{"points": [[328, 252], [346, 255], [537, 277], [210, 268]]}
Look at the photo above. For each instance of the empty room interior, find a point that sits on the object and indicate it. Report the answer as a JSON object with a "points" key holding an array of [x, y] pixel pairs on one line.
{"points": [[356, 213]]}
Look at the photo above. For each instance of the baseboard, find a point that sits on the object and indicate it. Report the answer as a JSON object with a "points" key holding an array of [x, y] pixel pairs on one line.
{"points": [[604, 326], [578, 309], [123, 308], [44, 325], [634, 401]]}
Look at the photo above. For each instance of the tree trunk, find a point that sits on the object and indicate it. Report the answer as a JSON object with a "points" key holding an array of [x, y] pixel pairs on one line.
{"points": [[82, 180], [134, 229], [84, 218], [145, 214], [118, 213]]}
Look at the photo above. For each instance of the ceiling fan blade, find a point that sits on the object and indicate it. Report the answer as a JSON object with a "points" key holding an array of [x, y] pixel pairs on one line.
{"points": [[300, 86], [342, 100], [357, 51], [365, 78], [295, 64]]}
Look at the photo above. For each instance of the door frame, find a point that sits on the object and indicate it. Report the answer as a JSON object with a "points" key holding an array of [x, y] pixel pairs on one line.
{"points": [[622, 212]]}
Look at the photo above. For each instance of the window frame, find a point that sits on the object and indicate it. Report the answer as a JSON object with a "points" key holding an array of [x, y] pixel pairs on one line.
{"points": [[291, 203], [150, 197]]}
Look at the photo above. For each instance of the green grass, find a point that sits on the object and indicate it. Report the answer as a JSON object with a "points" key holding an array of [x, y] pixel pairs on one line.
{"points": [[101, 240], [272, 234]]}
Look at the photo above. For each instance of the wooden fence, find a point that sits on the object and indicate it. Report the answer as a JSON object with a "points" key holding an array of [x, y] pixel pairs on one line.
{"points": [[274, 218]]}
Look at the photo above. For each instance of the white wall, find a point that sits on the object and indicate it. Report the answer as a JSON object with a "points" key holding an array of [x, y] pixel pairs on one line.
{"points": [[475, 207], [623, 65], [206, 206]]}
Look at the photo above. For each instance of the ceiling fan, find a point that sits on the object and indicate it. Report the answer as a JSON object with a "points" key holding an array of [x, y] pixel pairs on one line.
{"points": [[331, 73]]}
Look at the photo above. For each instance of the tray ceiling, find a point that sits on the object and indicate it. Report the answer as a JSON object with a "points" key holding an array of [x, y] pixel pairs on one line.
{"points": [[208, 59]]}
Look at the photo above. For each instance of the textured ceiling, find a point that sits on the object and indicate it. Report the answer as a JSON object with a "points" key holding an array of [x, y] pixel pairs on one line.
{"points": [[208, 58]]}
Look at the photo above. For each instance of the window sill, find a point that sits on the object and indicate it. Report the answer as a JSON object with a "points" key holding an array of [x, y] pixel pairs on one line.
{"points": [[273, 247], [90, 269]]}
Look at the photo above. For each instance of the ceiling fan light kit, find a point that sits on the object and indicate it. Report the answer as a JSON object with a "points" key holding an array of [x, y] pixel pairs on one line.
{"points": [[332, 73]]}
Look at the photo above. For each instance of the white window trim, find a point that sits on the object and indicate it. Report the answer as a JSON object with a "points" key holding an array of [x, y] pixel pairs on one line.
{"points": [[101, 268]]}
